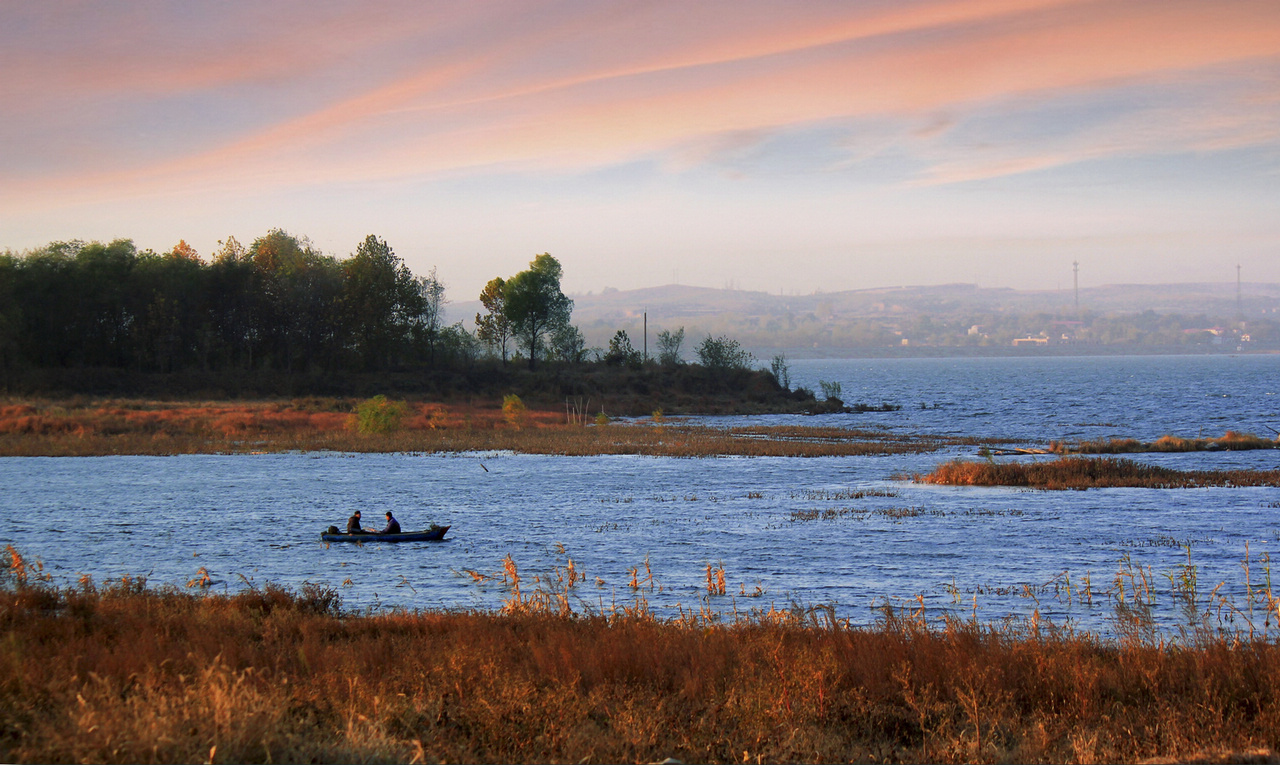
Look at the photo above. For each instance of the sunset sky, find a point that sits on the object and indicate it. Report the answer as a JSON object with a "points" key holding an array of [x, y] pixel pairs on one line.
{"points": [[779, 146]]}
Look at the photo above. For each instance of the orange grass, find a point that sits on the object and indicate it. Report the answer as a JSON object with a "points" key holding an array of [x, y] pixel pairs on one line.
{"points": [[124, 673], [1087, 473], [149, 427], [1229, 441]]}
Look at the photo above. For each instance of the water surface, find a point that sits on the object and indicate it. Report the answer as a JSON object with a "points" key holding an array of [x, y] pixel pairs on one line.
{"points": [[249, 519]]}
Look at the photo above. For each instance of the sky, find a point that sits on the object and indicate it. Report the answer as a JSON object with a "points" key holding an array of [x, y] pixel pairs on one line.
{"points": [[789, 147]]}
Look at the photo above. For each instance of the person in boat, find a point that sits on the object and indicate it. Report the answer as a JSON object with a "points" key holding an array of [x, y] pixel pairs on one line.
{"points": [[393, 526], [353, 524]]}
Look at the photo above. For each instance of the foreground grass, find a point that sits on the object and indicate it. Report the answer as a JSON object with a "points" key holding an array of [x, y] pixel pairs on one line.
{"points": [[124, 673], [88, 428], [1089, 473]]}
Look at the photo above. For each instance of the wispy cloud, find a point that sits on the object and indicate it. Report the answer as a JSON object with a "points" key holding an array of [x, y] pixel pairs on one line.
{"points": [[137, 97]]}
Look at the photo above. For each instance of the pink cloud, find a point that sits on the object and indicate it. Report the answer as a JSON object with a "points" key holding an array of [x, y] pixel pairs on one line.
{"points": [[563, 86]]}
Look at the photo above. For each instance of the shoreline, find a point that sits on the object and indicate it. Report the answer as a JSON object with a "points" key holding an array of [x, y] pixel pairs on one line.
{"points": [[87, 427]]}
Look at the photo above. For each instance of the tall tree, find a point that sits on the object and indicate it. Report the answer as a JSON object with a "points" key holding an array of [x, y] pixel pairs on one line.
{"points": [[170, 295], [288, 267], [428, 325], [382, 299], [103, 275], [536, 307], [235, 300], [10, 315], [493, 328]]}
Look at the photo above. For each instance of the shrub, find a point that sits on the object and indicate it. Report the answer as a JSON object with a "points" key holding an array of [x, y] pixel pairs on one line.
{"points": [[669, 344], [378, 415], [514, 410], [621, 352], [721, 353]]}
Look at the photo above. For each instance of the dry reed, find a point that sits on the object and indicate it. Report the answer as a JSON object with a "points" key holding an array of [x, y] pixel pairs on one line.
{"points": [[127, 673], [1229, 441], [1086, 473]]}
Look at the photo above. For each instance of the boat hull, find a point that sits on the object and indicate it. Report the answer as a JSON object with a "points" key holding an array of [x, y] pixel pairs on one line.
{"points": [[433, 534]]}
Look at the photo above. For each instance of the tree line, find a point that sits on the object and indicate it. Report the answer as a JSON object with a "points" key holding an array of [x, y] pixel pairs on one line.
{"points": [[280, 304], [277, 304]]}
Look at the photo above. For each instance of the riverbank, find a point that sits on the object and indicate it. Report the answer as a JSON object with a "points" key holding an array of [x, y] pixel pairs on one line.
{"points": [[127, 673], [90, 427]]}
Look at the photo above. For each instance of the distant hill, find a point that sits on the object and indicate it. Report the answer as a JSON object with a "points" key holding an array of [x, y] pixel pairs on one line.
{"points": [[834, 322]]}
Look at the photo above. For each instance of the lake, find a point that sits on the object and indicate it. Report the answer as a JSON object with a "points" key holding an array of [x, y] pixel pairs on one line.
{"points": [[845, 532]]}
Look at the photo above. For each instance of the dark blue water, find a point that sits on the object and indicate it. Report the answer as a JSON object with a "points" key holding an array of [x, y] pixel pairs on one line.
{"points": [[1042, 399], [249, 519]]}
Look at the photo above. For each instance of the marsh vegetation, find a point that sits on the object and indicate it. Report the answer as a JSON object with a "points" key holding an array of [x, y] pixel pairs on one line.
{"points": [[86, 427], [1089, 473], [1229, 441], [124, 672]]}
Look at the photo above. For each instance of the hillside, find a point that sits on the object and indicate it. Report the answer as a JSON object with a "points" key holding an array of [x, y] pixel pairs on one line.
{"points": [[836, 323]]}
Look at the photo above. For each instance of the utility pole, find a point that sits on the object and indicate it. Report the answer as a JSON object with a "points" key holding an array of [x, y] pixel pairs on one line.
{"points": [[646, 336], [1075, 275]]}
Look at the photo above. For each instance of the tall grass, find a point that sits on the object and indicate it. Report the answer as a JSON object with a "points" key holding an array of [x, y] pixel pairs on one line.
{"points": [[1229, 441], [127, 673], [1086, 473]]}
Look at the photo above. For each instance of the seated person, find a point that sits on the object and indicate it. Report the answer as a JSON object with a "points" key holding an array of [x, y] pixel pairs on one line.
{"points": [[393, 526], [353, 524]]}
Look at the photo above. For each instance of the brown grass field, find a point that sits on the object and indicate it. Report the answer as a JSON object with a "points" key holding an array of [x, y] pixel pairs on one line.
{"points": [[1090, 473], [88, 428], [126, 673]]}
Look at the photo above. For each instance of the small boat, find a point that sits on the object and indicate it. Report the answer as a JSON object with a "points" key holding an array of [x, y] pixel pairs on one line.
{"points": [[433, 534]]}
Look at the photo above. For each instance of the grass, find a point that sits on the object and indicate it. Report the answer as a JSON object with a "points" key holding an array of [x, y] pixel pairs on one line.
{"points": [[1229, 441], [128, 673], [86, 428], [1090, 473]]}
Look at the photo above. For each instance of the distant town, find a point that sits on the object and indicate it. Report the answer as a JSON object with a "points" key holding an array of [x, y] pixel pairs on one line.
{"points": [[956, 319]]}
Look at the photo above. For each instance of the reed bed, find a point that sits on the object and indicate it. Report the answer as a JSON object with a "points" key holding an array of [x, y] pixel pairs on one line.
{"points": [[1229, 441], [128, 673], [1089, 473], [83, 428]]}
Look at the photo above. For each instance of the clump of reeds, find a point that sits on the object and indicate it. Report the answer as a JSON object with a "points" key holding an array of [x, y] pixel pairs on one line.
{"points": [[1229, 441], [1086, 473]]}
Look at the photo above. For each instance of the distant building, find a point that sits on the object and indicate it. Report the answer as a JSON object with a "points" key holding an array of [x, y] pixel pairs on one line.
{"points": [[1216, 333], [1042, 340]]}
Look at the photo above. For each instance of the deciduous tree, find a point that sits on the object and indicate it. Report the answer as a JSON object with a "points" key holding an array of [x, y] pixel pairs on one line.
{"points": [[381, 299], [494, 328], [535, 305]]}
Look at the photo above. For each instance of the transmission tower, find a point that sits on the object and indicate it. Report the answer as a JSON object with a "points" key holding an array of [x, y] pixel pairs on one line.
{"points": [[1239, 300]]}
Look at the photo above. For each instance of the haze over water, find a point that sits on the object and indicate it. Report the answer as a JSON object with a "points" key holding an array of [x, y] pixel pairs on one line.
{"points": [[250, 519]]}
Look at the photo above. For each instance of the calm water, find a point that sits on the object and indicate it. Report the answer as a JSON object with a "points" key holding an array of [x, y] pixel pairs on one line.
{"points": [[252, 519]]}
